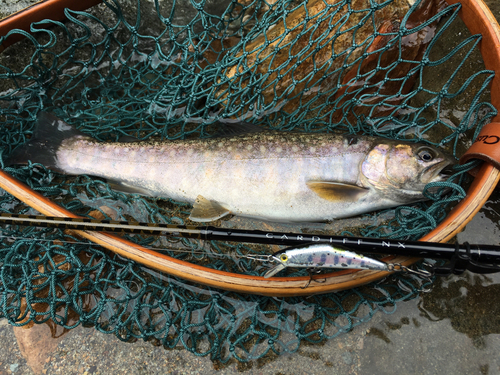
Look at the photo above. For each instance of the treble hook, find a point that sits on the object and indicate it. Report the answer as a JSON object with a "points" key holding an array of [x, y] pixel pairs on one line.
{"points": [[310, 272], [398, 267]]}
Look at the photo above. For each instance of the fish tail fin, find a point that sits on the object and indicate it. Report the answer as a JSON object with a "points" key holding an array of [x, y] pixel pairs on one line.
{"points": [[42, 148]]}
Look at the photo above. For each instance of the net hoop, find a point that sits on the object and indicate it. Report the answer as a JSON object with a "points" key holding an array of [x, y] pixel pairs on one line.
{"points": [[479, 20]]}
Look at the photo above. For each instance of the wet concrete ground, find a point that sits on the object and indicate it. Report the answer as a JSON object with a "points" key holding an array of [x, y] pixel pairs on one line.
{"points": [[453, 329]]}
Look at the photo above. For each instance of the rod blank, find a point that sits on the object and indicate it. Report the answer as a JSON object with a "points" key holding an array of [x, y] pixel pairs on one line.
{"points": [[488, 254]]}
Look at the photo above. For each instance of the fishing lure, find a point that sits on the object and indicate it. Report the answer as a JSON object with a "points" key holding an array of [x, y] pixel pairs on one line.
{"points": [[313, 256]]}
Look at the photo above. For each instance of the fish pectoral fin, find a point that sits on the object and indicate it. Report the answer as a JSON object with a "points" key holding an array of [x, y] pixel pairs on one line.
{"points": [[273, 271], [207, 210], [337, 191], [129, 189]]}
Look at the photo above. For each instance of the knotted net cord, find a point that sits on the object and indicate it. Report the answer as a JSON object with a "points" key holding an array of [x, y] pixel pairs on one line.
{"points": [[175, 70]]}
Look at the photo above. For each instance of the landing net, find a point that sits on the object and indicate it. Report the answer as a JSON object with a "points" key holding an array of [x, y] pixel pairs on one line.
{"points": [[171, 70]]}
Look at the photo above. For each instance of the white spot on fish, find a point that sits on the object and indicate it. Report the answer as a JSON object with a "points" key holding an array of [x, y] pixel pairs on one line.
{"points": [[279, 149], [312, 149], [190, 151], [295, 148], [172, 153], [249, 147], [262, 149], [220, 144]]}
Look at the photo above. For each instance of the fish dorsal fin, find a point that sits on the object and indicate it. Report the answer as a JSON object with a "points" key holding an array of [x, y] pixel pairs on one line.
{"points": [[231, 128], [337, 191], [206, 210]]}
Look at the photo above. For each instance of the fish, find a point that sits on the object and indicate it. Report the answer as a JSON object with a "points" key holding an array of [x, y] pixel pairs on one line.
{"points": [[313, 256], [249, 172]]}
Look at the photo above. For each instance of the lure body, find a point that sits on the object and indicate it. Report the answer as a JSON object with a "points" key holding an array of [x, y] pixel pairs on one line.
{"points": [[323, 256]]}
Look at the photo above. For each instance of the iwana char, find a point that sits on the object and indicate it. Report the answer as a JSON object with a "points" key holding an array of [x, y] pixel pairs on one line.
{"points": [[267, 175]]}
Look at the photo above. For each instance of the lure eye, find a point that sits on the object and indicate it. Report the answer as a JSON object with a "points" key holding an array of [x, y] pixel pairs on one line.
{"points": [[425, 155], [284, 257]]}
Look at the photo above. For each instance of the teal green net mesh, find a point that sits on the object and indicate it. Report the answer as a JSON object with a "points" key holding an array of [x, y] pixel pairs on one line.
{"points": [[172, 70]]}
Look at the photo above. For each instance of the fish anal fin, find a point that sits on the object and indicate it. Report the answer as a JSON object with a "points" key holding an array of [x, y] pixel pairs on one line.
{"points": [[207, 210], [337, 191]]}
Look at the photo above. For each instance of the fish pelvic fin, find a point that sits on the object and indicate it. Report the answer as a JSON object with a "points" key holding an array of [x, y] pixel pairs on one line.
{"points": [[207, 210], [337, 191], [48, 134]]}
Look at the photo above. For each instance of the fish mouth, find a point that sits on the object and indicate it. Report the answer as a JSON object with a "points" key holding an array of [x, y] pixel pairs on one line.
{"points": [[447, 171], [441, 171]]}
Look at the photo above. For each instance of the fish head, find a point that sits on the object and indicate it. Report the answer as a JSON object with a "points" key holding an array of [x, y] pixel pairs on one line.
{"points": [[400, 171]]}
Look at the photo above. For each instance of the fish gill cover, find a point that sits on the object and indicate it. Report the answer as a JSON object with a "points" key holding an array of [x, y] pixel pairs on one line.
{"points": [[170, 70]]}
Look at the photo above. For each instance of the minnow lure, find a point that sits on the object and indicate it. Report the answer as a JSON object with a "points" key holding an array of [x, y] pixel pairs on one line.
{"points": [[323, 256]]}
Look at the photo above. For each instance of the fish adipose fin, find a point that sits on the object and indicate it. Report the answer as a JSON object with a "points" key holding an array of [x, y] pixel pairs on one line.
{"points": [[337, 191], [47, 136], [206, 210]]}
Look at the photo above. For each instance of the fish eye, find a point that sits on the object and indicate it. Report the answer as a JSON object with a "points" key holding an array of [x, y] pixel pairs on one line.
{"points": [[425, 155], [284, 257]]}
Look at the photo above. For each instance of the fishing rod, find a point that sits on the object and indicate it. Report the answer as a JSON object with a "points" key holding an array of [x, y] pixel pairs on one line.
{"points": [[484, 254]]}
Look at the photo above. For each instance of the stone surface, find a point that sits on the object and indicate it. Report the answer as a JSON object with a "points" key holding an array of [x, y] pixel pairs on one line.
{"points": [[35, 345]]}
